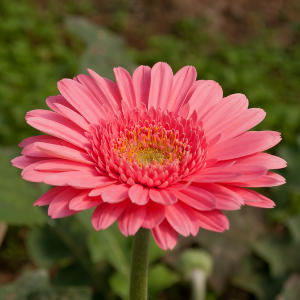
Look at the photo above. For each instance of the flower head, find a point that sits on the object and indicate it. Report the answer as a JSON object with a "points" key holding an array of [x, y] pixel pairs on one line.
{"points": [[154, 150]]}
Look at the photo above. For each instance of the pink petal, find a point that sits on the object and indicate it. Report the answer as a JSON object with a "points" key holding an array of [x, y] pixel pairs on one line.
{"points": [[249, 172], [22, 162], [60, 165], [57, 118], [47, 198], [65, 153], [59, 206], [212, 220], [165, 236], [106, 214], [30, 174], [270, 179], [227, 107], [197, 198], [161, 85], [116, 193], [184, 110], [141, 82], [63, 178], [238, 123], [214, 176], [94, 88], [162, 196], [138, 194], [59, 99], [74, 116], [264, 201], [38, 138], [82, 201], [182, 218], [109, 88], [125, 86], [32, 151], [243, 145], [246, 194], [92, 182], [261, 159], [98, 191], [276, 138], [192, 90], [155, 214], [182, 82], [82, 99], [131, 219], [207, 95], [226, 199], [69, 134]]}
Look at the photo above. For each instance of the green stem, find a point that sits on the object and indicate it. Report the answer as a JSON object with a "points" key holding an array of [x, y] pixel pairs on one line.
{"points": [[139, 265]]}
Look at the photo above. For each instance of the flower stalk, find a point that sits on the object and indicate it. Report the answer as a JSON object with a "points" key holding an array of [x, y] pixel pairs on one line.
{"points": [[139, 265]]}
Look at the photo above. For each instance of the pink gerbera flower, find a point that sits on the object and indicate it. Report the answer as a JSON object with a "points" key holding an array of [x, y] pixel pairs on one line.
{"points": [[157, 151]]}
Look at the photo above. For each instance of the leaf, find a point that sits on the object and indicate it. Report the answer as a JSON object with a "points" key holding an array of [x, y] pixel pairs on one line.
{"points": [[293, 223], [111, 245], [67, 293], [45, 248], [105, 50], [28, 283], [161, 277], [255, 281], [34, 285], [280, 254], [291, 288], [154, 251], [74, 274], [120, 285], [17, 195]]}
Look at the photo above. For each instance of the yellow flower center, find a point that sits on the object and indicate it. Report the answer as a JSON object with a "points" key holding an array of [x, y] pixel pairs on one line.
{"points": [[149, 154]]}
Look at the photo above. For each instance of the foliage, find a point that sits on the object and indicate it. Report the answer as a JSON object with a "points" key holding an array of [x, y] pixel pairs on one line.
{"points": [[34, 53], [16, 204], [35, 285]]}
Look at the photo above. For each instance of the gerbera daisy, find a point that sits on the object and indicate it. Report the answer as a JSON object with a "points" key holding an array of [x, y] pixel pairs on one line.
{"points": [[156, 150]]}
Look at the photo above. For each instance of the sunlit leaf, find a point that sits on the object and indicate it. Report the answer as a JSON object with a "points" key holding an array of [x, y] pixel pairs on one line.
{"points": [[17, 195], [105, 50], [161, 277]]}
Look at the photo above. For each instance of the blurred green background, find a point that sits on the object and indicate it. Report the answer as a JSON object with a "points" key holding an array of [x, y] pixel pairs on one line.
{"points": [[250, 47]]}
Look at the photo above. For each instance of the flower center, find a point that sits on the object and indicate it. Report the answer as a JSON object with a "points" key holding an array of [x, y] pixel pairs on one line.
{"points": [[151, 148], [146, 156], [153, 144]]}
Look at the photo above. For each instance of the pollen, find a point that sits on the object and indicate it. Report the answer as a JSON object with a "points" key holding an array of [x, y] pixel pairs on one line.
{"points": [[147, 156], [150, 145]]}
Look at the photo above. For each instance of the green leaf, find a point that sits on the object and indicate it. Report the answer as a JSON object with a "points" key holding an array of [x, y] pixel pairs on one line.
{"points": [[74, 274], [105, 50], [67, 293], [46, 249], [280, 254], [293, 224], [154, 251], [291, 288], [120, 285], [17, 195], [34, 285], [111, 245], [161, 277], [28, 283], [255, 281]]}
